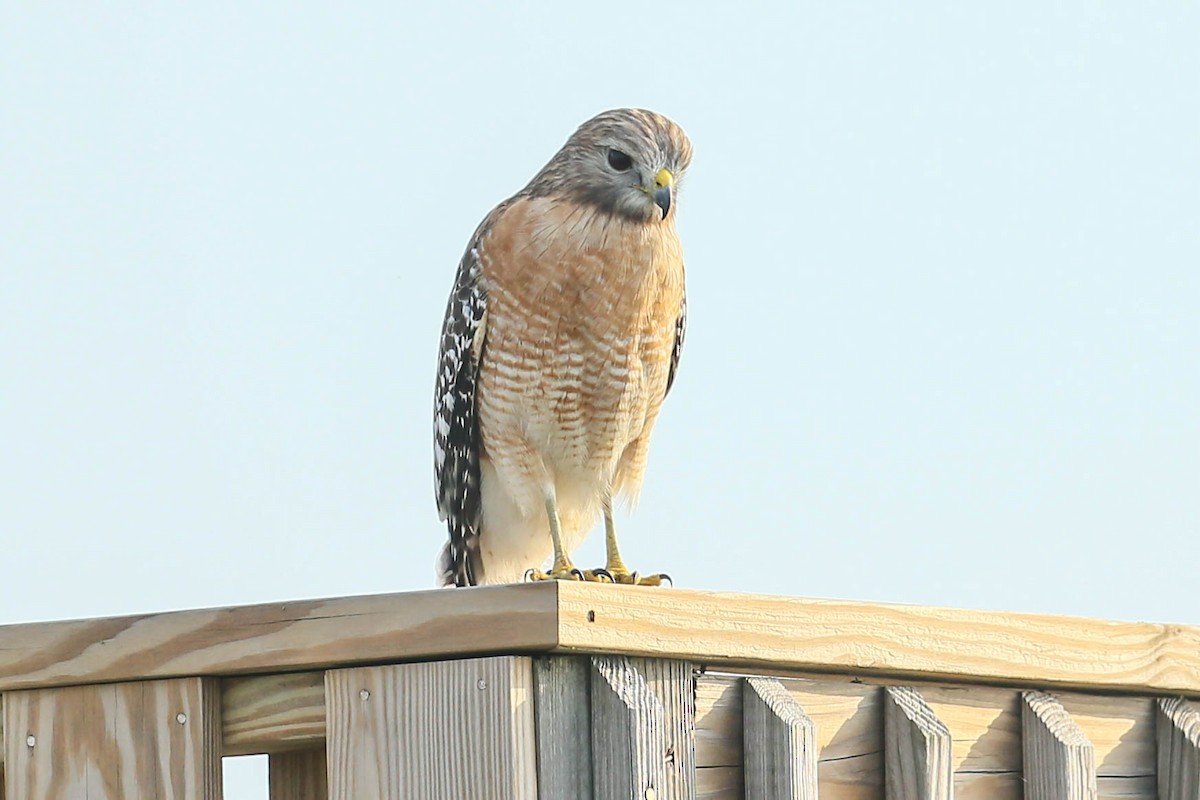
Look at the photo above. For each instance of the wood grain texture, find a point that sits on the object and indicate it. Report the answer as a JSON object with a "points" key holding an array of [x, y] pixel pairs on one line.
{"points": [[905, 642], [674, 684], [158, 740], [265, 714], [1178, 734], [848, 724], [901, 643], [719, 783], [1059, 761], [984, 725], [917, 748], [562, 701], [281, 636], [642, 713], [299, 775], [779, 744], [441, 730], [273, 713], [628, 745]]}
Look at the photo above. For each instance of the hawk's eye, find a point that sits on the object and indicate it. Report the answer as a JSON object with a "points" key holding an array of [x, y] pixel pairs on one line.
{"points": [[619, 161]]}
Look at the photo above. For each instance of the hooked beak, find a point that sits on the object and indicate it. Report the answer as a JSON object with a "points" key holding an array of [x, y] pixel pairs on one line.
{"points": [[662, 190]]}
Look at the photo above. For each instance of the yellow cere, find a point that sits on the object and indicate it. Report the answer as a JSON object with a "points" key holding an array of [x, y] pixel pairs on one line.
{"points": [[663, 178]]}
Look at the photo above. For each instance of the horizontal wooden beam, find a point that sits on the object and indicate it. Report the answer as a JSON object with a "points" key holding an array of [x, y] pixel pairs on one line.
{"points": [[871, 639], [278, 637], [768, 634], [273, 713]]}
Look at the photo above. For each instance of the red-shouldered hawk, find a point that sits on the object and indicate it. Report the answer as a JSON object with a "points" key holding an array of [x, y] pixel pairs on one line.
{"points": [[561, 339]]}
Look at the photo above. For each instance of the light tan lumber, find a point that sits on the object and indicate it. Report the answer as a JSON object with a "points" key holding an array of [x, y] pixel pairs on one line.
{"points": [[848, 722], [984, 724], [917, 749], [633, 753], [283, 637], [719, 783], [900, 643], [719, 721], [158, 740], [564, 743], [950, 645], [273, 713], [1058, 758], [1178, 734], [299, 775], [440, 730], [1121, 730], [779, 743]]}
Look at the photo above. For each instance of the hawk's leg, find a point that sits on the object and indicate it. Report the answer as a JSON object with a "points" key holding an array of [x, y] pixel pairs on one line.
{"points": [[563, 569], [615, 569]]}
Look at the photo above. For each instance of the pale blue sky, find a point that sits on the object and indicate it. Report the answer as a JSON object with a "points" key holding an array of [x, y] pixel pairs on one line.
{"points": [[943, 287]]}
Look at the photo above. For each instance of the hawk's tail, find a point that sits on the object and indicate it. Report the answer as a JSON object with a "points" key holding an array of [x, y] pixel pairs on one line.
{"points": [[447, 574]]}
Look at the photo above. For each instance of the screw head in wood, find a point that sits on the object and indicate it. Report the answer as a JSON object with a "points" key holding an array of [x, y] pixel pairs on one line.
{"points": [[30, 740], [364, 695], [181, 718], [651, 794], [481, 684]]}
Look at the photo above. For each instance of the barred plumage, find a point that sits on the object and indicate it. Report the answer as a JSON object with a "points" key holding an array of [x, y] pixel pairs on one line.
{"points": [[562, 337]]}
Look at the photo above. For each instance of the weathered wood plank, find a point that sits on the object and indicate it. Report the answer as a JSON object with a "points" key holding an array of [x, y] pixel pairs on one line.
{"points": [[779, 742], [281, 636], [848, 724], [906, 642], [1178, 733], [984, 724], [917, 748], [562, 696], [440, 730], [715, 629], [674, 684], [154, 739], [642, 715], [299, 775], [273, 713], [1059, 760]]}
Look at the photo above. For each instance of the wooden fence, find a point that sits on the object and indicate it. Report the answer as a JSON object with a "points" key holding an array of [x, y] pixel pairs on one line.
{"points": [[574, 691]]}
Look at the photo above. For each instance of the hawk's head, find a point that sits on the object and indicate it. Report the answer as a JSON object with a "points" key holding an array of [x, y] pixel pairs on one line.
{"points": [[627, 162]]}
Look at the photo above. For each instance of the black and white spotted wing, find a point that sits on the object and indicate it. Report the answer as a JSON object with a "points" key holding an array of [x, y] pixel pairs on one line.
{"points": [[677, 348], [456, 442]]}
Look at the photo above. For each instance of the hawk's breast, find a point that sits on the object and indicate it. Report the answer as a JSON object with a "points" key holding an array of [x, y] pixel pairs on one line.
{"points": [[581, 321]]}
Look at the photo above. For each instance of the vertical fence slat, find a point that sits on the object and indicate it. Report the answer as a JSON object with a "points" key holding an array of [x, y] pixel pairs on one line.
{"points": [[564, 745], [674, 684], [1178, 733], [441, 730], [1059, 762], [917, 748], [300, 775], [643, 717], [779, 743], [159, 739]]}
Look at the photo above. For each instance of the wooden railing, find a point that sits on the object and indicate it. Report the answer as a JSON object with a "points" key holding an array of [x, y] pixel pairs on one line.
{"points": [[570, 691]]}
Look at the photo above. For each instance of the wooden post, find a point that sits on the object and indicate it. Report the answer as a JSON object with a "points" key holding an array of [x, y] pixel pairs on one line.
{"points": [[642, 747], [779, 743], [299, 776], [564, 742], [1178, 732], [157, 740], [442, 730], [917, 748], [1060, 763]]}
